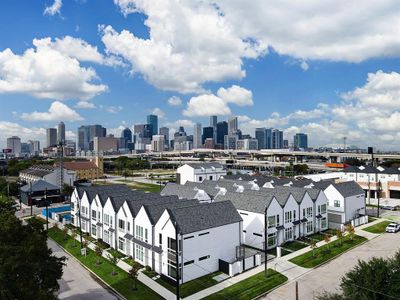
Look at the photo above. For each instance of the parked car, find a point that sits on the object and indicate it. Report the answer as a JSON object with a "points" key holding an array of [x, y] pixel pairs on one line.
{"points": [[393, 227]]}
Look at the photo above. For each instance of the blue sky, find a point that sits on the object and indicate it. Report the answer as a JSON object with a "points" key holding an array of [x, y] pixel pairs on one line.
{"points": [[113, 62]]}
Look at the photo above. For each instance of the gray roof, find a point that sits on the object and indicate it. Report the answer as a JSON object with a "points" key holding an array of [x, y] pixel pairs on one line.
{"points": [[204, 165], [155, 210], [348, 188], [370, 170], [182, 191], [39, 170], [103, 191], [254, 202], [204, 216], [39, 186]]}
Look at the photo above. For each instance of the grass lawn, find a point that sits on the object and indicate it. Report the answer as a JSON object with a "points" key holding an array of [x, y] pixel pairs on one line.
{"points": [[116, 253], [294, 246], [147, 187], [121, 282], [251, 287], [283, 252], [326, 252], [190, 287], [378, 228], [371, 219]]}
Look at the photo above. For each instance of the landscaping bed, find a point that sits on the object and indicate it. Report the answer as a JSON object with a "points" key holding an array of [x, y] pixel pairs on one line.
{"points": [[251, 287], [120, 282], [294, 245], [116, 253], [378, 228], [326, 252]]}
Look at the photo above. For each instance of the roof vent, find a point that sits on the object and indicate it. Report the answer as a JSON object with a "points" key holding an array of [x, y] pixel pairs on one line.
{"points": [[380, 168], [361, 167]]}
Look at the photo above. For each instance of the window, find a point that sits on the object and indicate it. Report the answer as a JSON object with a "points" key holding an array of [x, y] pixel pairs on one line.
{"points": [[106, 237], [204, 257], [288, 217], [294, 215], [139, 253], [323, 209], [121, 225], [204, 233], [72, 206], [171, 244], [188, 237], [336, 203], [200, 178], [94, 230], [128, 226], [211, 178], [271, 221], [106, 219], [271, 239], [244, 231], [141, 233], [243, 214], [309, 226], [257, 234], [323, 223], [277, 220], [309, 212], [121, 244], [304, 212], [160, 239], [94, 213], [188, 262], [288, 233]]}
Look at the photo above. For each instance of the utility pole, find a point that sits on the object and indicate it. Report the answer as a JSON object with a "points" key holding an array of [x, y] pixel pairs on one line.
{"points": [[30, 198], [177, 261], [265, 242], [47, 210], [378, 190], [297, 290]]}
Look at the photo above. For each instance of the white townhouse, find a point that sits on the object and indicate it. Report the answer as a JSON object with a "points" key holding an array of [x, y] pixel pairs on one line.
{"points": [[346, 204], [197, 172]]}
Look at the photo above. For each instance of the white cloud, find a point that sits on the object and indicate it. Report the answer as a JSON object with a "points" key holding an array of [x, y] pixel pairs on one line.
{"points": [[49, 71], [158, 112], [174, 101], [112, 109], [8, 129], [85, 105], [237, 95], [206, 105], [192, 42], [57, 112], [53, 9]]}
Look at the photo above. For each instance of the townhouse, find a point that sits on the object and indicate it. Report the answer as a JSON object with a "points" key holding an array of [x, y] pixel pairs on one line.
{"points": [[197, 172], [167, 233]]}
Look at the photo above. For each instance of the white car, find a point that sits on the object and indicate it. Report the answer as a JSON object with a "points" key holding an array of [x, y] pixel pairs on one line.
{"points": [[393, 227]]}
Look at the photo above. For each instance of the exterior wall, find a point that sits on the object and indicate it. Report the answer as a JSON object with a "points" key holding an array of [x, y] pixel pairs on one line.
{"points": [[143, 221], [124, 245], [187, 173], [354, 206], [96, 212], [292, 207], [109, 210], [319, 223], [306, 203], [85, 213], [253, 223]]}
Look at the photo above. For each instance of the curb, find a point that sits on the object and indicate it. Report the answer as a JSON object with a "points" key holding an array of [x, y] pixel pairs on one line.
{"points": [[271, 290], [96, 277]]}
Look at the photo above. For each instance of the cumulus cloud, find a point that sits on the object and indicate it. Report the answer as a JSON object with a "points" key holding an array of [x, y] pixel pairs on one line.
{"points": [[8, 129], [237, 95], [58, 111], [85, 105], [174, 101], [198, 41], [158, 112], [53, 9], [51, 71], [111, 109]]}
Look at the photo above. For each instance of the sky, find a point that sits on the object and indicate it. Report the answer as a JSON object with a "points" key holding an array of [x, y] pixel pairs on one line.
{"points": [[329, 69]]}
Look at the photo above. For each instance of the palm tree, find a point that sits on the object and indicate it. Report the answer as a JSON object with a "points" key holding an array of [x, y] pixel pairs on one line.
{"points": [[113, 260], [99, 252], [134, 273]]}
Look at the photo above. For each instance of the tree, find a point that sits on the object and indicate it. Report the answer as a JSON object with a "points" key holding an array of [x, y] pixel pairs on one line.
{"points": [[65, 231], [113, 260], [377, 278], [327, 239], [313, 246], [73, 236], [350, 231], [339, 235], [28, 269], [134, 273], [99, 252]]}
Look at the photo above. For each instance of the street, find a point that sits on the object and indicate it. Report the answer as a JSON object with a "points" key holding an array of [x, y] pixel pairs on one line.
{"points": [[76, 282], [327, 277]]}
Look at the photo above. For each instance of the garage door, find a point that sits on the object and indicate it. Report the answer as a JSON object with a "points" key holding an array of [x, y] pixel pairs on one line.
{"points": [[335, 218], [395, 194]]}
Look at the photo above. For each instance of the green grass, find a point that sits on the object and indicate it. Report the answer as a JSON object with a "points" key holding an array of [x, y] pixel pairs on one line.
{"points": [[283, 252], [251, 287], [294, 246], [190, 287], [378, 228], [326, 252], [116, 253], [120, 282], [371, 219], [147, 187]]}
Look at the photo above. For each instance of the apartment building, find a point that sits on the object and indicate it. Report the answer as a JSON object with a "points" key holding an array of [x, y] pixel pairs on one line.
{"points": [[197, 172], [164, 232]]}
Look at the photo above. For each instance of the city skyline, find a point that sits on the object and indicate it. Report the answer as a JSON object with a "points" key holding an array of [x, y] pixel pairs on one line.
{"points": [[298, 84]]}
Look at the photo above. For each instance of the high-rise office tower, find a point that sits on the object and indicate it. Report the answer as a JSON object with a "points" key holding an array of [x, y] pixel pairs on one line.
{"points": [[213, 124], [86, 134], [51, 137], [14, 143], [208, 133], [165, 132], [126, 135], [61, 133], [34, 147], [153, 121], [277, 139], [268, 138], [222, 130], [197, 141], [261, 137], [300, 141], [233, 125]]}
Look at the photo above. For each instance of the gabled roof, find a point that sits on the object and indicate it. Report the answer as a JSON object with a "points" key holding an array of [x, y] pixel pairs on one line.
{"points": [[155, 210], [348, 188], [182, 191], [204, 216], [38, 170], [204, 165], [39, 186], [253, 202], [103, 191], [372, 170]]}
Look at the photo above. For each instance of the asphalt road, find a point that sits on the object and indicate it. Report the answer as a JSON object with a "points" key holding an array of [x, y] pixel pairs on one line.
{"points": [[77, 283], [327, 277]]}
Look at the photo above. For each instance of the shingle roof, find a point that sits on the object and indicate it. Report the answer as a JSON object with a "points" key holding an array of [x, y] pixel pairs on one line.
{"points": [[254, 202], [204, 216], [372, 170], [204, 165], [103, 191], [155, 210], [39, 186], [182, 191], [348, 188], [39, 170]]}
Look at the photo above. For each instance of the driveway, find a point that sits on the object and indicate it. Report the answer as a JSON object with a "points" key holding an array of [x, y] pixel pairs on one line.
{"points": [[327, 277], [76, 282]]}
